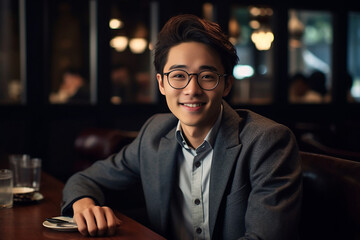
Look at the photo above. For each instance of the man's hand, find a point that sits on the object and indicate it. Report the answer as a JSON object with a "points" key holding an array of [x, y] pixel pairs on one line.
{"points": [[94, 220]]}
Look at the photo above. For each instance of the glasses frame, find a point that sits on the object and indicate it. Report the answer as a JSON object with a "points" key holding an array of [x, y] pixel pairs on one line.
{"points": [[197, 78]]}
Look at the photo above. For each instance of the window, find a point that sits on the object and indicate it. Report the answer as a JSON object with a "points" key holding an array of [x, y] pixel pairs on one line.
{"points": [[250, 30], [11, 83], [310, 44], [353, 77], [133, 27], [69, 47]]}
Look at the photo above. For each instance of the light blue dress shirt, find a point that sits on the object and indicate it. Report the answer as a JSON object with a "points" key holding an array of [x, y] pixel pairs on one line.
{"points": [[190, 206]]}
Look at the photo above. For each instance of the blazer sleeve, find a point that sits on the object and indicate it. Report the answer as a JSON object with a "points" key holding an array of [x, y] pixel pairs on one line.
{"points": [[273, 211], [118, 172]]}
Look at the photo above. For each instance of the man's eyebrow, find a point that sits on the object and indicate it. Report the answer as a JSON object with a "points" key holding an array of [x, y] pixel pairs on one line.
{"points": [[204, 67], [177, 66], [208, 67]]}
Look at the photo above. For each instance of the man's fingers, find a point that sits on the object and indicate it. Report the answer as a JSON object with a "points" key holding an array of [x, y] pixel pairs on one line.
{"points": [[101, 221], [81, 224], [92, 220], [112, 221], [97, 221]]}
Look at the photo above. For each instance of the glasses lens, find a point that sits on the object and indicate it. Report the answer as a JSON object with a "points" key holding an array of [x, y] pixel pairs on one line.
{"points": [[178, 78], [208, 80]]}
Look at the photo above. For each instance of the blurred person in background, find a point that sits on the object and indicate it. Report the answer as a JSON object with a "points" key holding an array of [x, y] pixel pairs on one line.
{"points": [[301, 92], [73, 88], [317, 83]]}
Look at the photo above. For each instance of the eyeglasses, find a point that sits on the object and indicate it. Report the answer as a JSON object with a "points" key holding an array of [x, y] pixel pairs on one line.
{"points": [[207, 80]]}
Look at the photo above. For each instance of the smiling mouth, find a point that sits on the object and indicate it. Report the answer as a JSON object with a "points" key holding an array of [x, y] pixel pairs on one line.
{"points": [[193, 105]]}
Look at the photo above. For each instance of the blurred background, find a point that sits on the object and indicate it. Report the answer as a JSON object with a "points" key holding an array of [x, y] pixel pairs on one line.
{"points": [[66, 66]]}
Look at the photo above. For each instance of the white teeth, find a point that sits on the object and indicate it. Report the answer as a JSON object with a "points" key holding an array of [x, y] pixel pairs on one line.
{"points": [[192, 104]]}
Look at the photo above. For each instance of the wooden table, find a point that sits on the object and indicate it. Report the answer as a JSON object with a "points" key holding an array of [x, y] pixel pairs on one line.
{"points": [[25, 221]]}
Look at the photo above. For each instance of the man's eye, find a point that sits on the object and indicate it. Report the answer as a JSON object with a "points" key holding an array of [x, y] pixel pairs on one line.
{"points": [[208, 77], [178, 76]]}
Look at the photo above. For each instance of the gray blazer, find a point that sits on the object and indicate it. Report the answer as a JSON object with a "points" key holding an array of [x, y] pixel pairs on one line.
{"points": [[255, 180]]}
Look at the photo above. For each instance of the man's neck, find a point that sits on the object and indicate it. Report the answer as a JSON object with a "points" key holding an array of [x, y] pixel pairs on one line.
{"points": [[194, 136]]}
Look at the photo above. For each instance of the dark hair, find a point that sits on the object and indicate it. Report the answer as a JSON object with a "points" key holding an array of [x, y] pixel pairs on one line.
{"points": [[187, 28]]}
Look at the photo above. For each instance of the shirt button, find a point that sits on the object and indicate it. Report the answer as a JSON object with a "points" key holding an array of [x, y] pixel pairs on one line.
{"points": [[197, 164], [197, 201], [198, 230]]}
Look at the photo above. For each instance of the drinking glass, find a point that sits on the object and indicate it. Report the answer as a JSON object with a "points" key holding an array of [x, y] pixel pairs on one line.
{"points": [[27, 171], [6, 188]]}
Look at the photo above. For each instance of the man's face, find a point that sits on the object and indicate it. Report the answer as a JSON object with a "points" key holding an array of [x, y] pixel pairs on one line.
{"points": [[193, 106]]}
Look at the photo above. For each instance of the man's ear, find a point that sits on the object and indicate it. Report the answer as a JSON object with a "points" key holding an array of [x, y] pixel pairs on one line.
{"points": [[228, 85], [160, 83]]}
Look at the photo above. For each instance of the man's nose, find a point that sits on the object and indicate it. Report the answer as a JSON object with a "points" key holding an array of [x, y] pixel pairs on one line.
{"points": [[193, 86]]}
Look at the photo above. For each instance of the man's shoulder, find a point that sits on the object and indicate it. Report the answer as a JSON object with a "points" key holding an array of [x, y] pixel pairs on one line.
{"points": [[255, 122], [245, 116], [245, 119], [251, 116], [160, 123]]}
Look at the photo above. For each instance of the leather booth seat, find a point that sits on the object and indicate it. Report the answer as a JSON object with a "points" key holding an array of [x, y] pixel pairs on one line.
{"points": [[98, 143], [312, 143], [331, 198]]}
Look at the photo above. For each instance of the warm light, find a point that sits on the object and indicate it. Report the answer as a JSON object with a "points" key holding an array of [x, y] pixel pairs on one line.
{"points": [[269, 11], [234, 28], [208, 10], [255, 24], [262, 39], [115, 23], [151, 46], [254, 11], [119, 43], [233, 40], [296, 30], [138, 45]]}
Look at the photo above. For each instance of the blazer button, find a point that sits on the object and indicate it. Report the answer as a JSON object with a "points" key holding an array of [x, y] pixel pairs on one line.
{"points": [[197, 201], [198, 230]]}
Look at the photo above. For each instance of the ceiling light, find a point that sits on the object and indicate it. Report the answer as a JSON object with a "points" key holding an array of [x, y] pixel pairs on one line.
{"points": [[119, 43], [138, 45]]}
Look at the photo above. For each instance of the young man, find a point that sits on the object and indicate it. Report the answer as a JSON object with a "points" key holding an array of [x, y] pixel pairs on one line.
{"points": [[207, 171]]}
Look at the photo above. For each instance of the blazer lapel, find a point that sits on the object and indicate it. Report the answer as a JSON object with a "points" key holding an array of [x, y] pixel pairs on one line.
{"points": [[167, 172], [227, 148]]}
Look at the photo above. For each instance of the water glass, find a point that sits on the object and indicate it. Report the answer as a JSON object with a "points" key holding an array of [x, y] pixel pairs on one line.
{"points": [[27, 171], [6, 186]]}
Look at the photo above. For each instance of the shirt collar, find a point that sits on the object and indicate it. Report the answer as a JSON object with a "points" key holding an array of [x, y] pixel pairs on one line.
{"points": [[210, 137]]}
